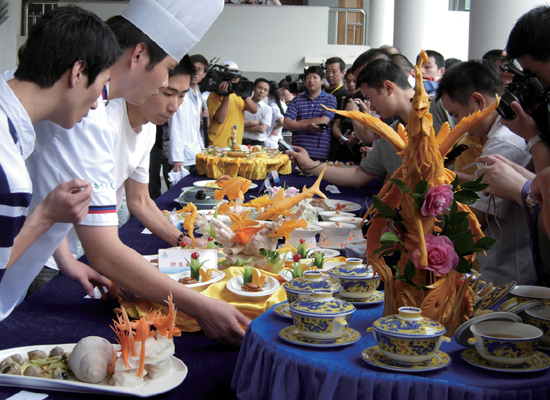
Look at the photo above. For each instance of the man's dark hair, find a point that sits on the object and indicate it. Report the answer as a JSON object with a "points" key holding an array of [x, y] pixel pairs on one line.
{"points": [[438, 57], [461, 80], [402, 62], [261, 80], [449, 62], [493, 55], [315, 69], [369, 56], [379, 71], [350, 70], [184, 67], [61, 38], [336, 60], [129, 35], [201, 59], [530, 35]]}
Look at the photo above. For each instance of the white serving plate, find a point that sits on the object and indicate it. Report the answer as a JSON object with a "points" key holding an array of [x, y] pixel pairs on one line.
{"points": [[151, 387], [326, 215], [235, 283], [204, 183], [199, 287], [350, 206]]}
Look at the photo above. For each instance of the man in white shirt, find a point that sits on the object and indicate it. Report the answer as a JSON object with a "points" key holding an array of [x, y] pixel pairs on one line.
{"points": [[185, 137], [137, 75], [463, 90], [62, 87], [255, 125]]}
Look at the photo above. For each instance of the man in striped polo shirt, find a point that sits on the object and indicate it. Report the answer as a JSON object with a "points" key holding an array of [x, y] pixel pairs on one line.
{"points": [[306, 117]]}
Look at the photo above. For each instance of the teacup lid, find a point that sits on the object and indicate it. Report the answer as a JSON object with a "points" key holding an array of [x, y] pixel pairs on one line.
{"points": [[321, 303], [347, 271], [409, 322], [312, 280]]}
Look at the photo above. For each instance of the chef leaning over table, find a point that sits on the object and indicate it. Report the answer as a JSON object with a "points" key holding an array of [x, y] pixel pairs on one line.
{"points": [[147, 29], [57, 88]]}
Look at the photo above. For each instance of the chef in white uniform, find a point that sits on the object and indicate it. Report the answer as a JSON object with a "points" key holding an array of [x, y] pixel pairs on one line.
{"points": [[90, 155]]}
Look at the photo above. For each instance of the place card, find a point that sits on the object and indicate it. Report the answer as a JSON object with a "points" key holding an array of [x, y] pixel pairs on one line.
{"points": [[173, 261], [24, 395]]}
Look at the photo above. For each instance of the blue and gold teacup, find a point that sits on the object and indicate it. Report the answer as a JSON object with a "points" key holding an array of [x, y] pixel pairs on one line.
{"points": [[357, 281], [539, 316], [408, 337], [321, 316], [304, 286], [505, 342]]}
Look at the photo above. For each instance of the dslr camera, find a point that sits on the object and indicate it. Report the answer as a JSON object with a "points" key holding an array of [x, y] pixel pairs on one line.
{"points": [[527, 90], [296, 83], [217, 74]]}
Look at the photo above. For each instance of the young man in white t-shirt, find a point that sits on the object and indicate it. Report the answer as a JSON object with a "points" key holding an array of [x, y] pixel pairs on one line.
{"points": [[136, 76], [255, 125], [463, 90]]}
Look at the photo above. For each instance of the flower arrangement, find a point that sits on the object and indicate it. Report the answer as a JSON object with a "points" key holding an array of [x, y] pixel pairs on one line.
{"points": [[450, 245], [410, 215]]}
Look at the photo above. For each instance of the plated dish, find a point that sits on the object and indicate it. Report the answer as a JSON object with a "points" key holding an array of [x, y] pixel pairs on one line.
{"points": [[217, 276], [292, 335], [234, 285], [212, 183], [374, 356], [342, 205], [538, 362], [151, 387]]}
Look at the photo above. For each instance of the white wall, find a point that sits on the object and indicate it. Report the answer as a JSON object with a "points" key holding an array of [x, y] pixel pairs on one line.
{"points": [[8, 36]]}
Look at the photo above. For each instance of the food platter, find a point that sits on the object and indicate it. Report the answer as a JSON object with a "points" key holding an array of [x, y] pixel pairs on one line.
{"points": [[210, 181], [216, 277], [342, 205], [151, 387]]}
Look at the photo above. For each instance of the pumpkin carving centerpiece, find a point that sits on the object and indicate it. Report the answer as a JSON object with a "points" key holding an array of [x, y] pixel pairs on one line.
{"points": [[422, 212]]}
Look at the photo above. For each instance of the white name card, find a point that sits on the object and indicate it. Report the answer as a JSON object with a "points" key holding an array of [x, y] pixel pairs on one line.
{"points": [[173, 261]]}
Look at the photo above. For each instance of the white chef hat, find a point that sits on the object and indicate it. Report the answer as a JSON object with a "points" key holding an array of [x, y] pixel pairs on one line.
{"points": [[230, 64], [175, 25]]}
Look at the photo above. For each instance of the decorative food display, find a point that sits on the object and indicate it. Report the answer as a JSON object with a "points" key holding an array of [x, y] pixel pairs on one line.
{"points": [[433, 258], [39, 364], [253, 279]]}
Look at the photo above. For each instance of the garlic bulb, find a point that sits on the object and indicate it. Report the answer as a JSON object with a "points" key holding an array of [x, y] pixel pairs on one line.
{"points": [[91, 358]]}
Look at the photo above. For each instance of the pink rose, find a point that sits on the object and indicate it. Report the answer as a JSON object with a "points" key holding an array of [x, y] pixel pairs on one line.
{"points": [[437, 199], [442, 256], [398, 230]]}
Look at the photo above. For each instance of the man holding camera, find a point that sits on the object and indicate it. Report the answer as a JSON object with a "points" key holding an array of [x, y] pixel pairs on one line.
{"points": [[227, 110], [308, 119]]}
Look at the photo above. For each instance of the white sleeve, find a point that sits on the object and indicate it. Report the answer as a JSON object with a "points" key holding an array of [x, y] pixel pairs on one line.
{"points": [[141, 173], [176, 130], [266, 117]]}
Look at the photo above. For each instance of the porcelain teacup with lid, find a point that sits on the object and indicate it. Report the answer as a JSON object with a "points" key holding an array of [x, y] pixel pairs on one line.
{"points": [[357, 280], [408, 337], [321, 316], [304, 286]]}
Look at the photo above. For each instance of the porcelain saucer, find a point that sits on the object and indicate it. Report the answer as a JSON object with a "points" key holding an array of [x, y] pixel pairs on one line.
{"points": [[282, 310], [376, 297], [494, 297], [538, 362], [293, 335], [374, 356], [521, 306]]}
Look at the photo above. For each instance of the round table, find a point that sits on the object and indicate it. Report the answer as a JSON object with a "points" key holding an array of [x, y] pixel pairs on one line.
{"points": [[270, 368]]}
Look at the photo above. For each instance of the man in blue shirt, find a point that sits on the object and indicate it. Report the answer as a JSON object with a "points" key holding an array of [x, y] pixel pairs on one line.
{"points": [[306, 117]]}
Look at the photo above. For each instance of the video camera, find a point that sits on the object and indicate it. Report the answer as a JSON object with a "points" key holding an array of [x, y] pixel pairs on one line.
{"points": [[296, 83], [217, 74], [527, 90]]}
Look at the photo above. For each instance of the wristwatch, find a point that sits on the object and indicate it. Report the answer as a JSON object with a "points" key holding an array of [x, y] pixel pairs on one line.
{"points": [[530, 201], [533, 142]]}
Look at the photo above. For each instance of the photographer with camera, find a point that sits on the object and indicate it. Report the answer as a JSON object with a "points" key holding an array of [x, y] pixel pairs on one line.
{"points": [[226, 107], [306, 117]]}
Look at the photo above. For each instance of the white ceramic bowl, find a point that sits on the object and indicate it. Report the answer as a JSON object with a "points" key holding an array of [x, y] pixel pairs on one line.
{"points": [[505, 342], [335, 235], [308, 234], [539, 316], [326, 215], [355, 221]]}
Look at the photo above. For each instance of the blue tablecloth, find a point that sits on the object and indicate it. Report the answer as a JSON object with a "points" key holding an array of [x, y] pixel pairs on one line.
{"points": [[270, 368]]}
